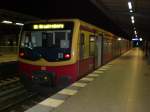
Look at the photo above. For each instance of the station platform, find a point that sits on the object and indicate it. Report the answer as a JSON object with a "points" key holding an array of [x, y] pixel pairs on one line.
{"points": [[123, 85], [8, 58]]}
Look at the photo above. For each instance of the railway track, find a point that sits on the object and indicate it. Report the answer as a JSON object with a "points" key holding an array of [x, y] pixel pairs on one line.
{"points": [[8, 70], [15, 98]]}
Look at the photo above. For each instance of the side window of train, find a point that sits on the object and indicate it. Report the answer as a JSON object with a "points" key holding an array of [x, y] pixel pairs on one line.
{"points": [[105, 46], [92, 39], [82, 43]]}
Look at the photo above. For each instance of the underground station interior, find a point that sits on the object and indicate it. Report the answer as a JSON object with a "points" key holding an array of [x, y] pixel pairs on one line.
{"points": [[75, 56]]}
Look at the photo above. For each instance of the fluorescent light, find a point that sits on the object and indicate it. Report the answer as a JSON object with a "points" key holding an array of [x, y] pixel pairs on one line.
{"points": [[131, 10], [132, 21], [135, 39], [140, 39], [135, 32], [20, 24], [130, 5], [136, 35], [10, 22], [119, 38], [132, 17], [7, 22]]}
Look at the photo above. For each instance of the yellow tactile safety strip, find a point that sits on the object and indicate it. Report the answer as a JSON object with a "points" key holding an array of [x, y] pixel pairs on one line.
{"points": [[106, 67], [103, 69], [51, 102], [77, 84], [67, 92], [99, 72], [7, 58], [93, 75], [87, 79]]}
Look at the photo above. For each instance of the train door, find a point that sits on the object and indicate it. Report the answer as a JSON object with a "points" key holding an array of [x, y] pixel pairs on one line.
{"points": [[81, 63], [99, 50], [96, 49], [93, 50]]}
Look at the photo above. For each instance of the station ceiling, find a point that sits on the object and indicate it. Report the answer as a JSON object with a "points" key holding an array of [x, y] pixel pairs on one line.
{"points": [[111, 15], [118, 12], [14, 17]]}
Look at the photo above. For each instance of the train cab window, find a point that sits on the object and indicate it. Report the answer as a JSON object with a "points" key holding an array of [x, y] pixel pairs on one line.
{"points": [[51, 40], [59, 39], [49, 44]]}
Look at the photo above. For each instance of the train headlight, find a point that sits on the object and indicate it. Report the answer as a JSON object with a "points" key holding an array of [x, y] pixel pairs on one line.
{"points": [[45, 78], [67, 56], [21, 54]]}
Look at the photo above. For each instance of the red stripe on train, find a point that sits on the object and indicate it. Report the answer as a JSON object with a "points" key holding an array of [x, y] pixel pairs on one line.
{"points": [[60, 71], [74, 71]]}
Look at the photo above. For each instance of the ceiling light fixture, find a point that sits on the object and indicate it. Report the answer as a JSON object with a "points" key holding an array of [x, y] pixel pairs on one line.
{"points": [[130, 5], [140, 39], [135, 32], [119, 39], [133, 21], [20, 24], [131, 10], [132, 17], [7, 22], [135, 39], [136, 35]]}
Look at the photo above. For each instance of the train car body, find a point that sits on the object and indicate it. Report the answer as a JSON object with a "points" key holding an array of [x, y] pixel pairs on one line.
{"points": [[59, 52]]}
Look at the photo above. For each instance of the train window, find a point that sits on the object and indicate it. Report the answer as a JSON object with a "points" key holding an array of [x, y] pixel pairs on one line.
{"points": [[36, 39], [82, 36], [59, 39], [92, 38], [64, 44], [48, 41], [31, 40], [51, 45], [92, 45], [59, 36]]}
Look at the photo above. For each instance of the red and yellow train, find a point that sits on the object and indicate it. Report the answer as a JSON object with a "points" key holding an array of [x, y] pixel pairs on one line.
{"points": [[59, 52]]}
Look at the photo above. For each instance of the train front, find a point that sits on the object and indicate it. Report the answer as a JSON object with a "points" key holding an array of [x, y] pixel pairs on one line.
{"points": [[46, 54]]}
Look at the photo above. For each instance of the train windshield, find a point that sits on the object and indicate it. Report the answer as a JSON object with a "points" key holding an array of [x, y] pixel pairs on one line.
{"points": [[46, 39], [52, 42]]}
